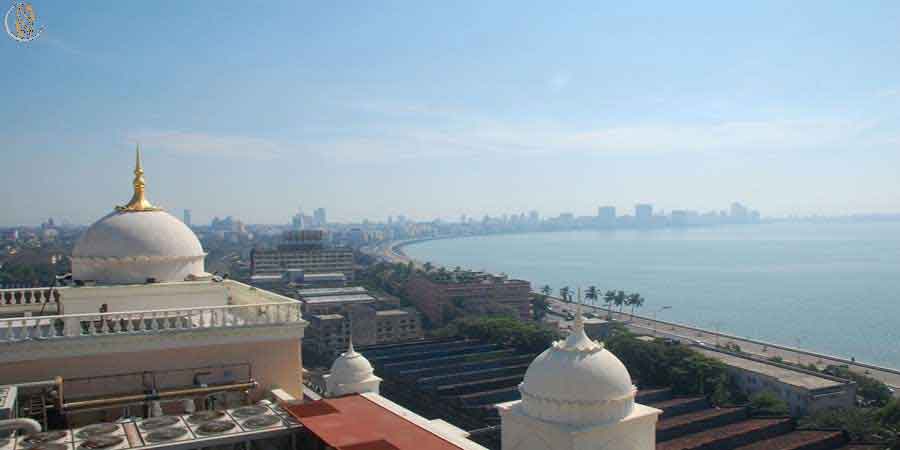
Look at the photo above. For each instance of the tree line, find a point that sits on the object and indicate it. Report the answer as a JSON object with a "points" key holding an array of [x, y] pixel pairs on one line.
{"points": [[610, 299]]}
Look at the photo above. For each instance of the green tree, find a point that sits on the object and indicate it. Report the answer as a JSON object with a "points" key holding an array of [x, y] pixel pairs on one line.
{"points": [[592, 294], [609, 299], [525, 336], [861, 424], [546, 290], [766, 403], [428, 266], [634, 301], [620, 299], [565, 293], [539, 306], [873, 392], [658, 364], [889, 415]]}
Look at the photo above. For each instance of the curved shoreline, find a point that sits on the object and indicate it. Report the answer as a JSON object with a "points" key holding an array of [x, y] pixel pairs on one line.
{"points": [[397, 249]]}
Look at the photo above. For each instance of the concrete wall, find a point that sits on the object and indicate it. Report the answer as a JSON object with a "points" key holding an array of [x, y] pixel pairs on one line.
{"points": [[275, 364], [801, 401]]}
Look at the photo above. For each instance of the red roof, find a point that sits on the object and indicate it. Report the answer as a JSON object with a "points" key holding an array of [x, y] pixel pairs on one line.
{"points": [[357, 423]]}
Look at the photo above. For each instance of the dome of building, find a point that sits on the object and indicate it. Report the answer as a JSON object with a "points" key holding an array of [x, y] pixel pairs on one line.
{"points": [[577, 382], [137, 243], [351, 373], [351, 367], [132, 235]]}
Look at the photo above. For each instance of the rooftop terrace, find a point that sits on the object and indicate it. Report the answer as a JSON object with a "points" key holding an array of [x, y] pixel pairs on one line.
{"points": [[163, 309]]}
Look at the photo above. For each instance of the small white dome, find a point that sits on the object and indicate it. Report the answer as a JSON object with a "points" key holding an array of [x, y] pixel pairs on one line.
{"points": [[577, 382], [133, 246], [351, 367], [351, 373]]}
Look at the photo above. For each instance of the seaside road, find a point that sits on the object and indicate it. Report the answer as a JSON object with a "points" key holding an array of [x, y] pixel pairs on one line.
{"points": [[688, 334]]}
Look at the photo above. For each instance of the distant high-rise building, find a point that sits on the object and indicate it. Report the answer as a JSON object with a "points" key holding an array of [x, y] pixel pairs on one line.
{"points": [[739, 212], [187, 217], [319, 217], [606, 215], [643, 213], [534, 217]]}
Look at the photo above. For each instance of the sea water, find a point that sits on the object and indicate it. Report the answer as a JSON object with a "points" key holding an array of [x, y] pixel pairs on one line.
{"points": [[832, 288]]}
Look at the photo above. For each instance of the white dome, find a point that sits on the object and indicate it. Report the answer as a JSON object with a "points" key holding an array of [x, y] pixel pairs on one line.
{"points": [[577, 382], [351, 373], [134, 246], [351, 368]]}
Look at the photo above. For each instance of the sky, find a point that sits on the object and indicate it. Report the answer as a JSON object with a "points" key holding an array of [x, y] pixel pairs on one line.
{"points": [[437, 109]]}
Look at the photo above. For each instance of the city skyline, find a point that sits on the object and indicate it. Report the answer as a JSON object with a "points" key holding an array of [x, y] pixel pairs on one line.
{"points": [[441, 110]]}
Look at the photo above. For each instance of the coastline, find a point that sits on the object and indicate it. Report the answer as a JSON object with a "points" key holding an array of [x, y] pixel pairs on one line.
{"points": [[893, 374]]}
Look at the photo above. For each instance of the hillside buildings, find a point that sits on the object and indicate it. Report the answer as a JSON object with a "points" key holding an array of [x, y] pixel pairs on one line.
{"points": [[438, 293]]}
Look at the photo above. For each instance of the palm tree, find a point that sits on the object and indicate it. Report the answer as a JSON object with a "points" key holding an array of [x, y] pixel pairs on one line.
{"points": [[566, 293], [592, 294], [609, 298], [546, 290], [620, 299], [635, 301]]}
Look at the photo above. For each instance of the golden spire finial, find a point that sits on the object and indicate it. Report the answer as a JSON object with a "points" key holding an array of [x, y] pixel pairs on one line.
{"points": [[138, 202]]}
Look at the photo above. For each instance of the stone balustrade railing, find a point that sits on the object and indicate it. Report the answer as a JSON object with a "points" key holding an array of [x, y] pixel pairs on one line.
{"points": [[144, 322], [28, 296]]}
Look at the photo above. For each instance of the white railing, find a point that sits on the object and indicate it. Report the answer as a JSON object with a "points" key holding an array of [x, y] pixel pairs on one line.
{"points": [[147, 322], [28, 296]]}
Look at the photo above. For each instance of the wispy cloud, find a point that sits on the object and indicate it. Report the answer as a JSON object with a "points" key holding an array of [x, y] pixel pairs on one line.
{"points": [[485, 138], [209, 144], [397, 131]]}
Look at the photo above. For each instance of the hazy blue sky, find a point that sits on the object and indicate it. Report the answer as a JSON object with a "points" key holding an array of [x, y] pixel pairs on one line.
{"points": [[430, 108]]}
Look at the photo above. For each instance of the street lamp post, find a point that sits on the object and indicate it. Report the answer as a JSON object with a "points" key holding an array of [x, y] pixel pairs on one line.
{"points": [[654, 316]]}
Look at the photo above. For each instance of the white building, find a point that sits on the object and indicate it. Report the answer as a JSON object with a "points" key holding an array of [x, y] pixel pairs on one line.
{"points": [[146, 317], [577, 395]]}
